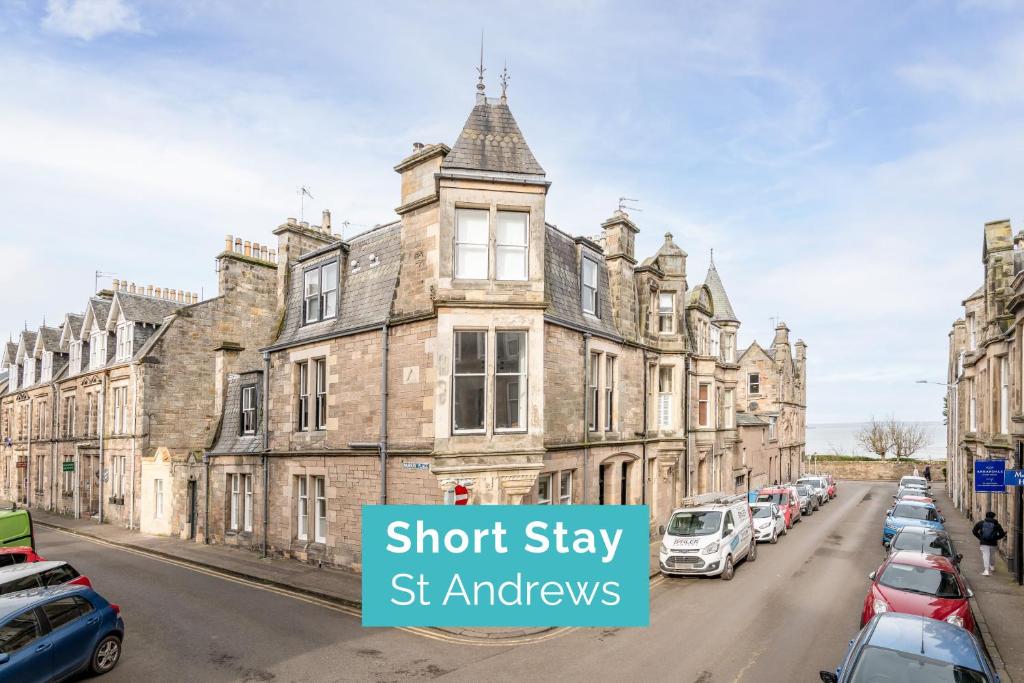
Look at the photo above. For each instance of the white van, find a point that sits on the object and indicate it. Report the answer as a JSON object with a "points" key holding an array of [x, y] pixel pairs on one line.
{"points": [[708, 536]]}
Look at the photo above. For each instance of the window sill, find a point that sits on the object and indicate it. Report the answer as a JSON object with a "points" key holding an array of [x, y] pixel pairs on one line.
{"points": [[307, 323], [503, 432], [469, 432]]}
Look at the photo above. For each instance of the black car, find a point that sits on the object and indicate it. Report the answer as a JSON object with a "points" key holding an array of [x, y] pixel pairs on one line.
{"points": [[924, 540]]}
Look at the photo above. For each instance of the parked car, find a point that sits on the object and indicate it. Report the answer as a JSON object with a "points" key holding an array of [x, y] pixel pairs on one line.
{"points": [[708, 536], [19, 577], [818, 484], [16, 529], [892, 646], [769, 523], [917, 482], [919, 499], [915, 583], [786, 499], [920, 539], [18, 555], [49, 634], [911, 513], [752, 495], [808, 499]]}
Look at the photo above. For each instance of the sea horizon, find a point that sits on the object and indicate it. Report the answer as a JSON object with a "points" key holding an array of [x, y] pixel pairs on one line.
{"points": [[828, 438]]}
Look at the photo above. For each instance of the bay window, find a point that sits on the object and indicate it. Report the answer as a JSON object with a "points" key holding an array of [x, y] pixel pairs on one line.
{"points": [[666, 313], [469, 381], [703, 404], [728, 409], [510, 381], [473, 237], [716, 339]]}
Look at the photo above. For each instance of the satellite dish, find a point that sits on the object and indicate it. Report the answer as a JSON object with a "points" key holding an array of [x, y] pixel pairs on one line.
{"points": [[752, 407]]}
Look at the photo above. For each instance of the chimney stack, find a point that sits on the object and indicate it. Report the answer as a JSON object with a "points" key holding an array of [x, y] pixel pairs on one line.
{"points": [[327, 220]]}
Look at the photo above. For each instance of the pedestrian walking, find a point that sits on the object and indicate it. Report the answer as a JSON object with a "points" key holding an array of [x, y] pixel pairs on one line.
{"points": [[928, 472], [916, 473], [988, 532]]}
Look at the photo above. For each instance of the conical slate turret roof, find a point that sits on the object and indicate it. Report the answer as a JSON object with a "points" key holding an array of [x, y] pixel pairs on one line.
{"points": [[723, 309], [491, 141]]}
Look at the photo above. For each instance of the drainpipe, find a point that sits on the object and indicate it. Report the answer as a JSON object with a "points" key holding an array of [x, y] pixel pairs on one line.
{"points": [[135, 414], [586, 416], [686, 425], [383, 444], [643, 446], [266, 458], [206, 499], [100, 405], [54, 412], [28, 456], [78, 482]]}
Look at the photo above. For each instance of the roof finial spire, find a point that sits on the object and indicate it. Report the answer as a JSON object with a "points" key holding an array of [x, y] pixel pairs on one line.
{"points": [[504, 82], [712, 257], [480, 96]]}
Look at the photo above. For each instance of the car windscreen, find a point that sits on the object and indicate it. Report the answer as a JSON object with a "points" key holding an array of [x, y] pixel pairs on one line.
{"points": [[777, 498], [695, 523], [915, 512], [803, 490], [813, 483], [931, 544], [762, 512], [923, 580], [881, 664]]}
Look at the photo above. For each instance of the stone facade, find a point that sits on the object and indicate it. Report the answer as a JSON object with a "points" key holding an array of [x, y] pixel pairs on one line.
{"points": [[984, 402], [469, 342]]}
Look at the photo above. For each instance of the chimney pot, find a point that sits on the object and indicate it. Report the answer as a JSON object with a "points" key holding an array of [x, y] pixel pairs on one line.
{"points": [[149, 290], [181, 296], [195, 297], [131, 288], [304, 224], [327, 220], [238, 245], [228, 242], [158, 292], [248, 248], [115, 284], [417, 146], [263, 252], [292, 221], [273, 255]]}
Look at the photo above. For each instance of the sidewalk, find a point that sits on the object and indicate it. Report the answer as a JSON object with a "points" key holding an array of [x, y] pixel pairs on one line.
{"points": [[998, 601]]}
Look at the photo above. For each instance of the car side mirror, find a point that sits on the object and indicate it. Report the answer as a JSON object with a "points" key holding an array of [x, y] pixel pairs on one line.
{"points": [[872, 575], [4, 657], [828, 676], [661, 530], [942, 519], [970, 593], [959, 557]]}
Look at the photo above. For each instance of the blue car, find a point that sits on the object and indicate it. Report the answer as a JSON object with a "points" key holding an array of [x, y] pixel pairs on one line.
{"points": [[910, 513], [752, 495], [906, 647], [53, 633]]}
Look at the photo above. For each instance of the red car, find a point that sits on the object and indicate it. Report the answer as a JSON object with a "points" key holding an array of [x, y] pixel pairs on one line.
{"points": [[18, 555], [787, 500], [925, 585], [923, 499]]}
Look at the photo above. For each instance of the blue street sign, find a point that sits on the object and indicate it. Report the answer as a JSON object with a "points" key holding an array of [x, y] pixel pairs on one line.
{"points": [[1013, 477], [988, 476]]}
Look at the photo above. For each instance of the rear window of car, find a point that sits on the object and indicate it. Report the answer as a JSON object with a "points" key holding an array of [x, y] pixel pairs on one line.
{"points": [[880, 664], [922, 580], [915, 512], [66, 610], [7, 559], [932, 544], [58, 575], [22, 584]]}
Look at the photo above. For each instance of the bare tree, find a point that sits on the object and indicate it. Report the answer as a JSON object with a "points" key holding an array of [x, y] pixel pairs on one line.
{"points": [[875, 438], [907, 438]]}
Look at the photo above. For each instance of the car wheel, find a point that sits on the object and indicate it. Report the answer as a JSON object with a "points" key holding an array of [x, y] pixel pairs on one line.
{"points": [[729, 571], [106, 655], [752, 553], [775, 537], [785, 529]]}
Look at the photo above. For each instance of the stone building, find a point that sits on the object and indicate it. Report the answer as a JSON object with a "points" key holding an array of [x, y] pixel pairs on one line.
{"points": [[984, 402]]}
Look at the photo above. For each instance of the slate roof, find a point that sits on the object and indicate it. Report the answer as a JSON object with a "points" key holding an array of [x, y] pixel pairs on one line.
{"points": [[100, 310], [145, 309], [723, 308], [562, 285], [366, 291], [749, 420], [491, 141], [10, 351], [230, 439], [50, 338], [979, 292], [30, 341], [75, 320]]}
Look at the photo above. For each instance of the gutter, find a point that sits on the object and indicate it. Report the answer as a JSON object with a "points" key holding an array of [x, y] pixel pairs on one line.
{"points": [[383, 444]]}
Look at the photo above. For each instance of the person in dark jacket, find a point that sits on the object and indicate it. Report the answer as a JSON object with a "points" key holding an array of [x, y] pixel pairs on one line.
{"points": [[988, 532], [928, 472]]}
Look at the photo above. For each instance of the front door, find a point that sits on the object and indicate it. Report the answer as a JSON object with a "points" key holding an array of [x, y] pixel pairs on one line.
{"points": [[192, 509]]}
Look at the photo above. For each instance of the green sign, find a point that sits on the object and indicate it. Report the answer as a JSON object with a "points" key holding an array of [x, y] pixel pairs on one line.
{"points": [[69, 466]]}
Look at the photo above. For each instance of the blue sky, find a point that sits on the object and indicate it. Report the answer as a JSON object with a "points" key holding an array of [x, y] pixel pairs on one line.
{"points": [[840, 158]]}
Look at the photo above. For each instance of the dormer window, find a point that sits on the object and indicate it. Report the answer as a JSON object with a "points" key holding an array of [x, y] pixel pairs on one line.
{"points": [[30, 372], [125, 336], [320, 292], [589, 286], [75, 353], [666, 313], [47, 371], [248, 421], [97, 349]]}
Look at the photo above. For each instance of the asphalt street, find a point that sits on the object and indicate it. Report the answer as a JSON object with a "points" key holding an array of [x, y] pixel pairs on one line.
{"points": [[783, 618]]}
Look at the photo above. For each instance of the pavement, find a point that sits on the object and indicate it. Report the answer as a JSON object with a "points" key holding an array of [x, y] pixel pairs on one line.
{"points": [[998, 601]]}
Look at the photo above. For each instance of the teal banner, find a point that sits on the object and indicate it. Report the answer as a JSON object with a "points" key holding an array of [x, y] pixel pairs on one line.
{"points": [[505, 565]]}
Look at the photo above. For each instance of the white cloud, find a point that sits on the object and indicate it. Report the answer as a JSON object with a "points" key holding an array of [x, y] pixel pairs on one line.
{"points": [[88, 19]]}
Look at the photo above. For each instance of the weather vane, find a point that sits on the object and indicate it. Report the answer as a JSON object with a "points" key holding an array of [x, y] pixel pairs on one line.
{"points": [[480, 69], [504, 81]]}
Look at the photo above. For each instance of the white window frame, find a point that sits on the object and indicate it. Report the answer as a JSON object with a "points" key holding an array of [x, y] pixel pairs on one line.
{"points": [[329, 290], [69, 476], [303, 423], [46, 374], [248, 416], [522, 374], [666, 313], [716, 341], [320, 402], [751, 383], [310, 298], [468, 251], [456, 375], [729, 409], [75, 353], [728, 347], [972, 332], [589, 291], [302, 508], [972, 409], [565, 487], [521, 248], [594, 392], [235, 502], [123, 340], [158, 498], [704, 419], [544, 481], [97, 349], [665, 401], [1004, 395], [30, 372], [610, 365], [772, 423], [319, 509], [247, 507]]}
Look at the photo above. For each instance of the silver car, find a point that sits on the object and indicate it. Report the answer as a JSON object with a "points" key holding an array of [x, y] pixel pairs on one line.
{"points": [[818, 485]]}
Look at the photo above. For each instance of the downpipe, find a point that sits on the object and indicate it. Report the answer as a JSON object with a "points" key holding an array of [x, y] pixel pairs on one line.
{"points": [[383, 443], [586, 417], [266, 457]]}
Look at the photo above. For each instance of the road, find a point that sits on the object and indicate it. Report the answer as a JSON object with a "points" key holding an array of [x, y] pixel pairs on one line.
{"points": [[783, 618]]}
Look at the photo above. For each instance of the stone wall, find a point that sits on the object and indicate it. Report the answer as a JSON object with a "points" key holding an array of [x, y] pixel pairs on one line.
{"points": [[870, 470]]}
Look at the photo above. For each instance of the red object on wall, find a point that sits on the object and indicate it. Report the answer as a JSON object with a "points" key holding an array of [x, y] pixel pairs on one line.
{"points": [[461, 495]]}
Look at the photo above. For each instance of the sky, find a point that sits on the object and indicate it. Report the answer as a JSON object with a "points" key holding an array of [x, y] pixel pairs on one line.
{"points": [[840, 158]]}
